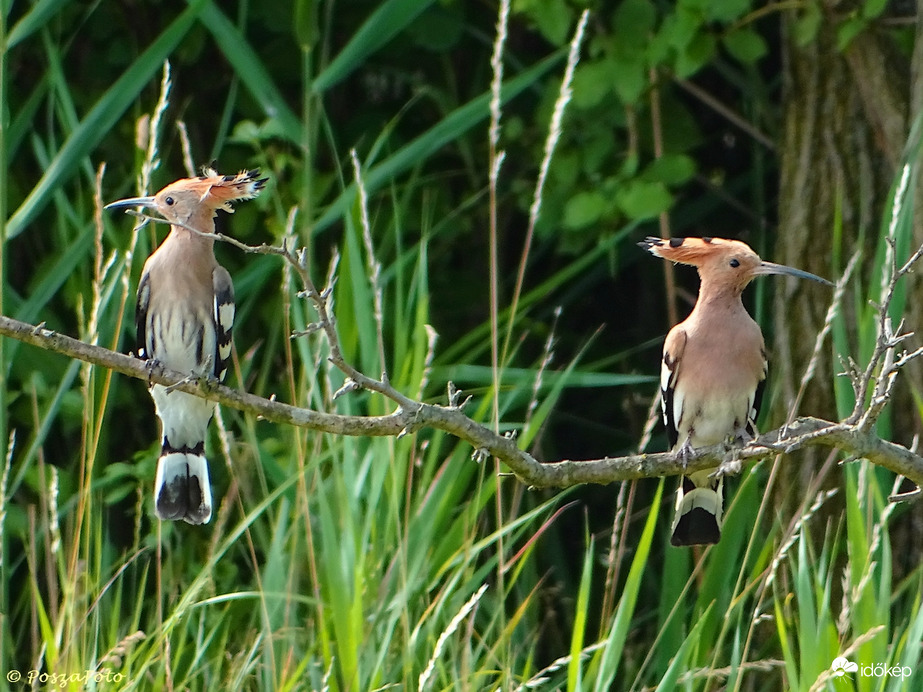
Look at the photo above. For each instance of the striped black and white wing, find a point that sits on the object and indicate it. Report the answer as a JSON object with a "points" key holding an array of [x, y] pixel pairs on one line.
{"points": [[224, 320], [671, 401], [143, 350], [757, 399]]}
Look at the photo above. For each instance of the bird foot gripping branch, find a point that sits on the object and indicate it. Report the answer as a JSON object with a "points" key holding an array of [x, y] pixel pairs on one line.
{"points": [[729, 467], [184, 318], [713, 370]]}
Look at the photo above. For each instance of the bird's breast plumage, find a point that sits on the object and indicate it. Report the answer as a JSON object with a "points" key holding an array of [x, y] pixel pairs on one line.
{"points": [[711, 378]]}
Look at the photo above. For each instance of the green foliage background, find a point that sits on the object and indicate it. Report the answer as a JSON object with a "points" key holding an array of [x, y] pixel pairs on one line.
{"points": [[363, 564]]}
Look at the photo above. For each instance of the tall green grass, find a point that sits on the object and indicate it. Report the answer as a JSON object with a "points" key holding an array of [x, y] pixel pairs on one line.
{"points": [[370, 563]]}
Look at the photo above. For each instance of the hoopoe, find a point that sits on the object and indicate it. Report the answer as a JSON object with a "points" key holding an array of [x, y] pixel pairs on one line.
{"points": [[184, 318], [713, 371]]}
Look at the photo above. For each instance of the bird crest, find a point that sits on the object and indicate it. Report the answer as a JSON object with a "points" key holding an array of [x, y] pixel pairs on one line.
{"points": [[694, 251], [728, 262], [219, 191]]}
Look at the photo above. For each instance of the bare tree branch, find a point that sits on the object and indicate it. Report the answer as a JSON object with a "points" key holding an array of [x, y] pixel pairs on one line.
{"points": [[412, 415], [855, 436]]}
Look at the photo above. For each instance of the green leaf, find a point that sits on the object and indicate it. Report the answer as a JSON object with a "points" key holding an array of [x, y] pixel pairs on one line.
{"points": [[630, 80], [554, 20], [670, 169], [848, 30], [644, 200], [697, 54], [658, 48], [726, 10], [680, 28], [633, 24], [583, 209], [37, 17], [745, 45], [565, 167], [872, 9], [592, 82], [574, 668], [807, 24]]}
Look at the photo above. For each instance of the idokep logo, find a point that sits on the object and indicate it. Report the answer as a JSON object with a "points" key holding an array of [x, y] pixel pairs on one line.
{"points": [[841, 666]]}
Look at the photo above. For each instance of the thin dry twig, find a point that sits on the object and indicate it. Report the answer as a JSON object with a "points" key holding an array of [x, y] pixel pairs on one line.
{"points": [[873, 391]]}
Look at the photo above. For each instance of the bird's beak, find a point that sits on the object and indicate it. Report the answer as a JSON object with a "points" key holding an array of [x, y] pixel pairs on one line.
{"points": [[772, 268], [131, 202]]}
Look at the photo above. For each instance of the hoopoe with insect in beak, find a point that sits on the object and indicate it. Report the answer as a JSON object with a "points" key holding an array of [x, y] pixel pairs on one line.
{"points": [[713, 371], [184, 318]]}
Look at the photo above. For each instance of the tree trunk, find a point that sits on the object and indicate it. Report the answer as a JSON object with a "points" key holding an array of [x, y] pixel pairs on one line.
{"points": [[846, 121], [844, 128]]}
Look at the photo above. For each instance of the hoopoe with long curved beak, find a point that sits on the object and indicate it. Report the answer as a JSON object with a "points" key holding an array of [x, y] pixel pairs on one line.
{"points": [[713, 371], [184, 318]]}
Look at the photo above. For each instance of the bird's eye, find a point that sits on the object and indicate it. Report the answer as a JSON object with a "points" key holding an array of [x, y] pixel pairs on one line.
{"points": [[169, 201], [735, 263]]}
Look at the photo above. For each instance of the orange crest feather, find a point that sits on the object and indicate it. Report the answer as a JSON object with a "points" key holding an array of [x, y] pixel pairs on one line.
{"points": [[218, 191], [692, 251]]}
